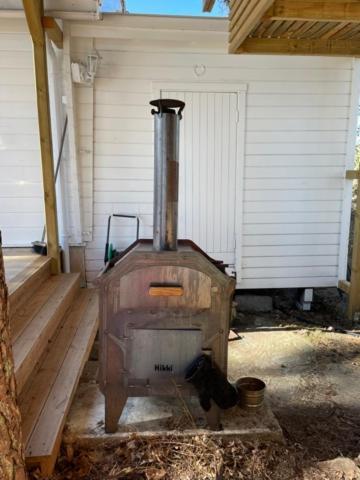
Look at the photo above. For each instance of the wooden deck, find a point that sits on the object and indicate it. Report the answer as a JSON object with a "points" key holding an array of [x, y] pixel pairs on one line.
{"points": [[54, 324]]}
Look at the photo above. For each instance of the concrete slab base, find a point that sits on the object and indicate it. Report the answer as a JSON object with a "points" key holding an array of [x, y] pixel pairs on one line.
{"points": [[162, 416]]}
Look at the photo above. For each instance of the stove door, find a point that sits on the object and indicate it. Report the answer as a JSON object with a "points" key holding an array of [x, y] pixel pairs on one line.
{"points": [[159, 354]]}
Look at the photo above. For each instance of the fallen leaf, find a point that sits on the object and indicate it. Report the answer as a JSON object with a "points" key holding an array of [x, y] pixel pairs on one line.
{"points": [[155, 473]]}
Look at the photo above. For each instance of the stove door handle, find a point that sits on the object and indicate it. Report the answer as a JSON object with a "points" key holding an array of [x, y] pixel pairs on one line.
{"points": [[166, 291]]}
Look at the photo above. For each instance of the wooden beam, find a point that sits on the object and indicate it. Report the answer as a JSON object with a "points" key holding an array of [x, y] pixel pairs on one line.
{"points": [[53, 31], [248, 15], [352, 174], [322, 11], [208, 5], [34, 13], [300, 47]]}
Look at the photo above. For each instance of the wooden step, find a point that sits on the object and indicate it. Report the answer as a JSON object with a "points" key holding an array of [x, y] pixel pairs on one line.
{"points": [[27, 281], [46, 398], [26, 312], [31, 342]]}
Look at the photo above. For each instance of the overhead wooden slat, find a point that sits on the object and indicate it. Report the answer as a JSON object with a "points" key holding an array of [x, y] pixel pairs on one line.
{"points": [[315, 31], [303, 28], [312, 10], [286, 29], [261, 29], [281, 28], [240, 12], [293, 29], [318, 22], [334, 29], [355, 33], [324, 29], [300, 46], [252, 15], [272, 27], [346, 32], [234, 7]]}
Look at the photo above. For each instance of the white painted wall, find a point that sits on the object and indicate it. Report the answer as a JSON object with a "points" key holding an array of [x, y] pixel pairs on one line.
{"points": [[299, 125], [297, 144], [21, 197]]}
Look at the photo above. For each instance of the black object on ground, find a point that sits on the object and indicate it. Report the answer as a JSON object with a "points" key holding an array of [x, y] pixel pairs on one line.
{"points": [[211, 384]]}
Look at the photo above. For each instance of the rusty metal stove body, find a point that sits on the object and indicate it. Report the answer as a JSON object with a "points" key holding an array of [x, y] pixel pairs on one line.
{"points": [[162, 303]]}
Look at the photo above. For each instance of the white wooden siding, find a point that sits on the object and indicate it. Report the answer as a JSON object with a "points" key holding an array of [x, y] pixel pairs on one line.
{"points": [[297, 119], [21, 193]]}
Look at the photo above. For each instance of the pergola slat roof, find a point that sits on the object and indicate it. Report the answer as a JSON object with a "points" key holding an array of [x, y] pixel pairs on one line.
{"points": [[315, 27]]}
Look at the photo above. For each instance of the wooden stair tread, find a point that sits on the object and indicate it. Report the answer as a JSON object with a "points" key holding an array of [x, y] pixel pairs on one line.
{"points": [[27, 280], [26, 312], [46, 399], [37, 389], [32, 341], [15, 262], [27, 273]]}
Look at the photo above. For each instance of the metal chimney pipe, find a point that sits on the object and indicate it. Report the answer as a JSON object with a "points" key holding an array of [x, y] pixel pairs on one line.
{"points": [[166, 175]]}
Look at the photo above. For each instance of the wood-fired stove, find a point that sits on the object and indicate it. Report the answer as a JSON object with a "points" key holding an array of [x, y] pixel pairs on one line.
{"points": [[162, 302]]}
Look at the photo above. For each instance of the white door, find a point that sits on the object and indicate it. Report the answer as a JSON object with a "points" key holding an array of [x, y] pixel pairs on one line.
{"points": [[208, 171]]}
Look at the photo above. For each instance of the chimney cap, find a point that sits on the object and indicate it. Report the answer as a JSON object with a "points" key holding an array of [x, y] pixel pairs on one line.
{"points": [[167, 105]]}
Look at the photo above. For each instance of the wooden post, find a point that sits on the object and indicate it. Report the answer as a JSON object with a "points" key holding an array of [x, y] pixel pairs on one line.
{"points": [[354, 294], [34, 13], [12, 459]]}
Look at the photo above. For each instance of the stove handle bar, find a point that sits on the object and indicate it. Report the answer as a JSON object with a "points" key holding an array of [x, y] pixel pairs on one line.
{"points": [[119, 215], [166, 291]]}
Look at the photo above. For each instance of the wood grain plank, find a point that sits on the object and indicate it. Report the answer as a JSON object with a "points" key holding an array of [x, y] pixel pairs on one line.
{"points": [[30, 345], [315, 10], [300, 46], [46, 436], [27, 281], [36, 392], [25, 314], [243, 28]]}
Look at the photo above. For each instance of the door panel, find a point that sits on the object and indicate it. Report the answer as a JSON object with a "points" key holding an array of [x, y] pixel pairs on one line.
{"points": [[208, 158]]}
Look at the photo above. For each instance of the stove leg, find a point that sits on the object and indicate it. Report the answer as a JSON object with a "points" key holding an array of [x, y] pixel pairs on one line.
{"points": [[213, 418], [114, 404]]}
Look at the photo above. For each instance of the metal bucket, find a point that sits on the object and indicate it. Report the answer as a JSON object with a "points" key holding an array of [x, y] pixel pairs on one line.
{"points": [[251, 392]]}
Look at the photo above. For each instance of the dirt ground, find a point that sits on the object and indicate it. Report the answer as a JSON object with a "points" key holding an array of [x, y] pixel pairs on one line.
{"points": [[312, 376]]}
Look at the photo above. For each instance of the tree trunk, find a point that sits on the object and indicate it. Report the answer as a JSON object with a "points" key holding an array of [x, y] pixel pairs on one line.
{"points": [[12, 460]]}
